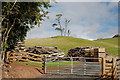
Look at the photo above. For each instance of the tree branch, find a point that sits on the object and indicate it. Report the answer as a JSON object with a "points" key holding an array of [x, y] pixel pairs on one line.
{"points": [[10, 10], [7, 33], [13, 5]]}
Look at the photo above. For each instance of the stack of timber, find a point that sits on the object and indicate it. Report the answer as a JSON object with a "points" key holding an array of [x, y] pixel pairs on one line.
{"points": [[95, 52], [20, 46], [48, 51], [76, 52]]}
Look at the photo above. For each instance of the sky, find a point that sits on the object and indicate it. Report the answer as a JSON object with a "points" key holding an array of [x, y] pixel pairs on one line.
{"points": [[89, 20]]}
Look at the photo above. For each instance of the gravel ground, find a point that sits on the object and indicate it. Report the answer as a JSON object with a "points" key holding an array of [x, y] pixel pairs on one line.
{"points": [[52, 76]]}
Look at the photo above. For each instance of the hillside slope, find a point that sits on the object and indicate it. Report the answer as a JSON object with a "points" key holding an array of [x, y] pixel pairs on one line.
{"points": [[111, 45], [66, 43]]}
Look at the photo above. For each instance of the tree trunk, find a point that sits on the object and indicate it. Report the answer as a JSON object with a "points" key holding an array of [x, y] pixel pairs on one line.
{"points": [[4, 43], [60, 27]]}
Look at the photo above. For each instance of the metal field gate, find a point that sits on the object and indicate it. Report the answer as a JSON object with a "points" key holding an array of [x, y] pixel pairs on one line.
{"points": [[73, 65]]}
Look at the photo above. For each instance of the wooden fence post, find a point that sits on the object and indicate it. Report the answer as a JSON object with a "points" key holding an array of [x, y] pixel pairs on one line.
{"points": [[103, 67], [113, 68], [44, 65]]}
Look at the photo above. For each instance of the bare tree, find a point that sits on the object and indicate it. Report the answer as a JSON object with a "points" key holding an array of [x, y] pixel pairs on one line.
{"points": [[59, 23], [69, 32], [63, 30], [66, 26]]}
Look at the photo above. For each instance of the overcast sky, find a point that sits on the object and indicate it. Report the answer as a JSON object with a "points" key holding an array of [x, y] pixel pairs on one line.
{"points": [[89, 20]]}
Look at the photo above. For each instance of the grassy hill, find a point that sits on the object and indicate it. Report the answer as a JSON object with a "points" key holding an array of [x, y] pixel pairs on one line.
{"points": [[66, 43], [111, 45]]}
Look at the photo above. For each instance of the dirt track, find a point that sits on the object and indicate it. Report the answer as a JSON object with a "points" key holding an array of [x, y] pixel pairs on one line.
{"points": [[20, 71]]}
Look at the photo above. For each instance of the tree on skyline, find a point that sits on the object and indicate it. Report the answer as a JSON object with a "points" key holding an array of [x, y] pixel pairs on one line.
{"points": [[58, 19], [63, 30], [66, 27]]}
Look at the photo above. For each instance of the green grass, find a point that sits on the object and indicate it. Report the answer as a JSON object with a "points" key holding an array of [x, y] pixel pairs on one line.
{"points": [[20, 63], [111, 45], [29, 63], [35, 63], [66, 43], [62, 63]]}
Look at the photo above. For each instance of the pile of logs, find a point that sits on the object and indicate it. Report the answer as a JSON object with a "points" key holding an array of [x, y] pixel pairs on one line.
{"points": [[85, 52], [40, 50], [20, 46], [49, 51], [76, 52]]}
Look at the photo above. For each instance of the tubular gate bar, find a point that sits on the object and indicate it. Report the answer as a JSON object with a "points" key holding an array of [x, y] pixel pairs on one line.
{"points": [[74, 65]]}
